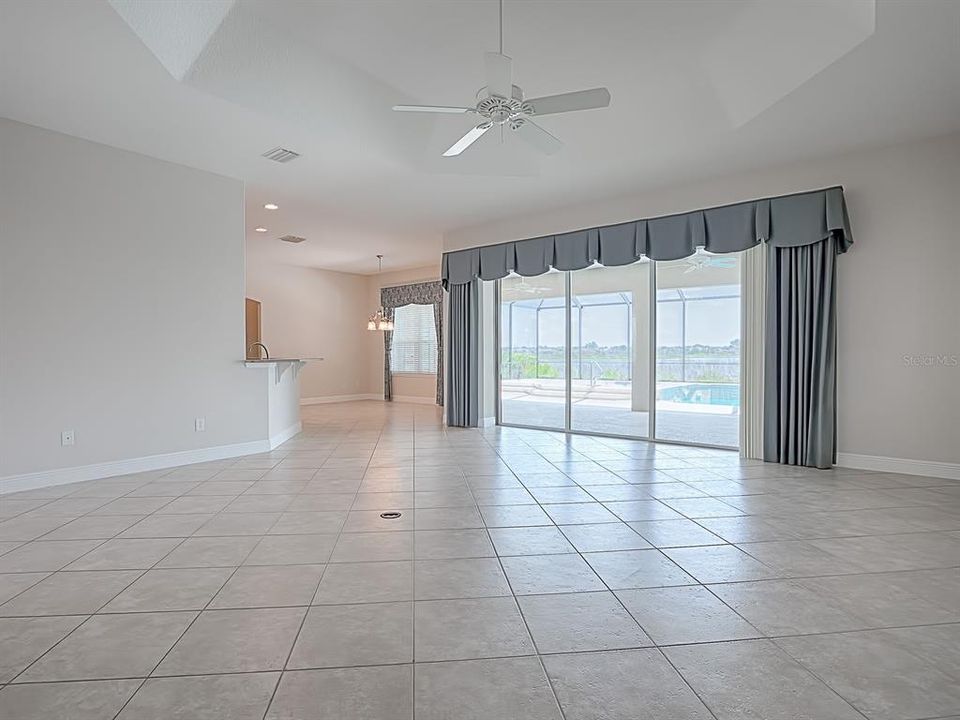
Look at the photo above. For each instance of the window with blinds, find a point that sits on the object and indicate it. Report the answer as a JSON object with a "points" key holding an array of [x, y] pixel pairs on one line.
{"points": [[414, 347]]}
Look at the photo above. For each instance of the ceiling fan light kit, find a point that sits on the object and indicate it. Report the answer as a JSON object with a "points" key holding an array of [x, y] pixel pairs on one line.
{"points": [[501, 103]]}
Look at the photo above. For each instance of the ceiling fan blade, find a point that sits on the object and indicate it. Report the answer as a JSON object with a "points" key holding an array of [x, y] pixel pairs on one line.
{"points": [[431, 109], [467, 140], [538, 137], [499, 74], [567, 102]]}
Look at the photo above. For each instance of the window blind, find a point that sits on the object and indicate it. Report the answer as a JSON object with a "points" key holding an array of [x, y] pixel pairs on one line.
{"points": [[414, 347]]}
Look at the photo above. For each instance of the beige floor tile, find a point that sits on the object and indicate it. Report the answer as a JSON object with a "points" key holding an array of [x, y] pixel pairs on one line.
{"points": [[269, 586], [25, 639], [366, 582], [164, 589], [755, 679], [581, 622], [484, 689], [619, 684], [345, 635], [691, 614], [203, 697], [66, 593], [361, 693], [471, 628], [75, 700], [111, 646], [226, 641]]}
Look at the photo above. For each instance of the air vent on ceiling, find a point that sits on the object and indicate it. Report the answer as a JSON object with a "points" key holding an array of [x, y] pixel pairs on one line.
{"points": [[293, 238], [281, 155]]}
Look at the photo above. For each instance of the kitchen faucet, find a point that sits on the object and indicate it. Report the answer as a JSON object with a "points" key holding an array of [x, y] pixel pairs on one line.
{"points": [[260, 344]]}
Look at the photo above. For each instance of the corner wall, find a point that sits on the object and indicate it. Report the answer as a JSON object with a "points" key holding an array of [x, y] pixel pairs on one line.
{"points": [[899, 338], [121, 308]]}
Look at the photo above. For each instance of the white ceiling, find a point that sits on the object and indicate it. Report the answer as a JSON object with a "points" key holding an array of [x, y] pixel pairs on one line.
{"points": [[699, 88]]}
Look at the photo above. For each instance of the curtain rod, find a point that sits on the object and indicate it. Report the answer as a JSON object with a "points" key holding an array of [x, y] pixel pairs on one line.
{"points": [[656, 217]]}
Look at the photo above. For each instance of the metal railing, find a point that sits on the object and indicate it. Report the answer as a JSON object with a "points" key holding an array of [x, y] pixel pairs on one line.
{"points": [[618, 370]]}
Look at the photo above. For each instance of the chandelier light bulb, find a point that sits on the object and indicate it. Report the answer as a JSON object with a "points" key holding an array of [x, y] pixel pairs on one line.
{"points": [[378, 321]]}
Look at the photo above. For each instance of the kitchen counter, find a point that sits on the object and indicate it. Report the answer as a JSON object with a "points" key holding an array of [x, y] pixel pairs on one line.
{"points": [[283, 395], [274, 361]]}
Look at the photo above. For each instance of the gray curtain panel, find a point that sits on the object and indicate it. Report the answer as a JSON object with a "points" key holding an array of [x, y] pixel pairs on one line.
{"points": [[786, 221], [800, 364], [426, 293], [463, 357], [388, 313]]}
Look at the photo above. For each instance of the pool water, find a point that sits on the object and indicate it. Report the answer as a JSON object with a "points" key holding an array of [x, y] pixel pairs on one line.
{"points": [[702, 394]]}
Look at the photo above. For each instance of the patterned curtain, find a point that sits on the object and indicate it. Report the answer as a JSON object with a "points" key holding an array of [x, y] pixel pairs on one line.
{"points": [[427, 293], [438, 323], [388, 313]]}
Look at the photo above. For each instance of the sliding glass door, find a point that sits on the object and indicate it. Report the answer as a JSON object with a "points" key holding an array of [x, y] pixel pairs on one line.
{"points": [[610, 350], [698, 350], [533, 351], [649, 350]]}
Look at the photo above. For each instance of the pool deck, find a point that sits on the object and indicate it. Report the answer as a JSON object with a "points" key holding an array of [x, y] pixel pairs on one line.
{"points": [[616, 418]]}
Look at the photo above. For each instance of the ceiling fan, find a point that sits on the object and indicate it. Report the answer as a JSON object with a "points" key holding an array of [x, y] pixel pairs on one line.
{"points": [[526, 287], [702, 260], [502, 103]]}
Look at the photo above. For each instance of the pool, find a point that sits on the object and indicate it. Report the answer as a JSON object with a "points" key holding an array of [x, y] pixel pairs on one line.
{"points": [[702, 394]]}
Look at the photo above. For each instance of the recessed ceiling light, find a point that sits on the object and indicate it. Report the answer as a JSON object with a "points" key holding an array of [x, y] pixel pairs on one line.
{"points": [[260, 229], [271, 206]]}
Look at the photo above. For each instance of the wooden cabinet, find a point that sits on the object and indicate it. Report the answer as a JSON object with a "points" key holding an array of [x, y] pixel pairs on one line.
{"points": [[252, 308]]}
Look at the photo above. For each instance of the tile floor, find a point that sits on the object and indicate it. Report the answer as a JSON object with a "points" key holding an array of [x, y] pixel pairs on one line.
{"points": [[530, 575]]}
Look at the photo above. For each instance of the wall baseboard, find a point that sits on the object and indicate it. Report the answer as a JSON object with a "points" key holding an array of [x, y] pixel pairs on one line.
{"points": [[418, 399], [879, 463], [281, 437], [62, 476], [323, 400]]}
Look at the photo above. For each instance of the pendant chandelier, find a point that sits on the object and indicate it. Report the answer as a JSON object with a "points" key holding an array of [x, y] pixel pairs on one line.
{"points": [[379, 321]]}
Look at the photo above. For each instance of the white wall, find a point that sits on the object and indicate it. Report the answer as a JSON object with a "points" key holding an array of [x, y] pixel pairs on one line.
{"points": [[899, 286], [316, 313], [121, 306]]}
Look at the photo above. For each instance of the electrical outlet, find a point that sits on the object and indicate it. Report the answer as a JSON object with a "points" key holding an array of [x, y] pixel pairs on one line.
{"points": [[200, 424], [67, 438]]}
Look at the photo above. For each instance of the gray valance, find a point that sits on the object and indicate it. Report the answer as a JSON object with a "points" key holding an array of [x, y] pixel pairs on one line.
{"points": [[425, 293], [785, 221]]}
